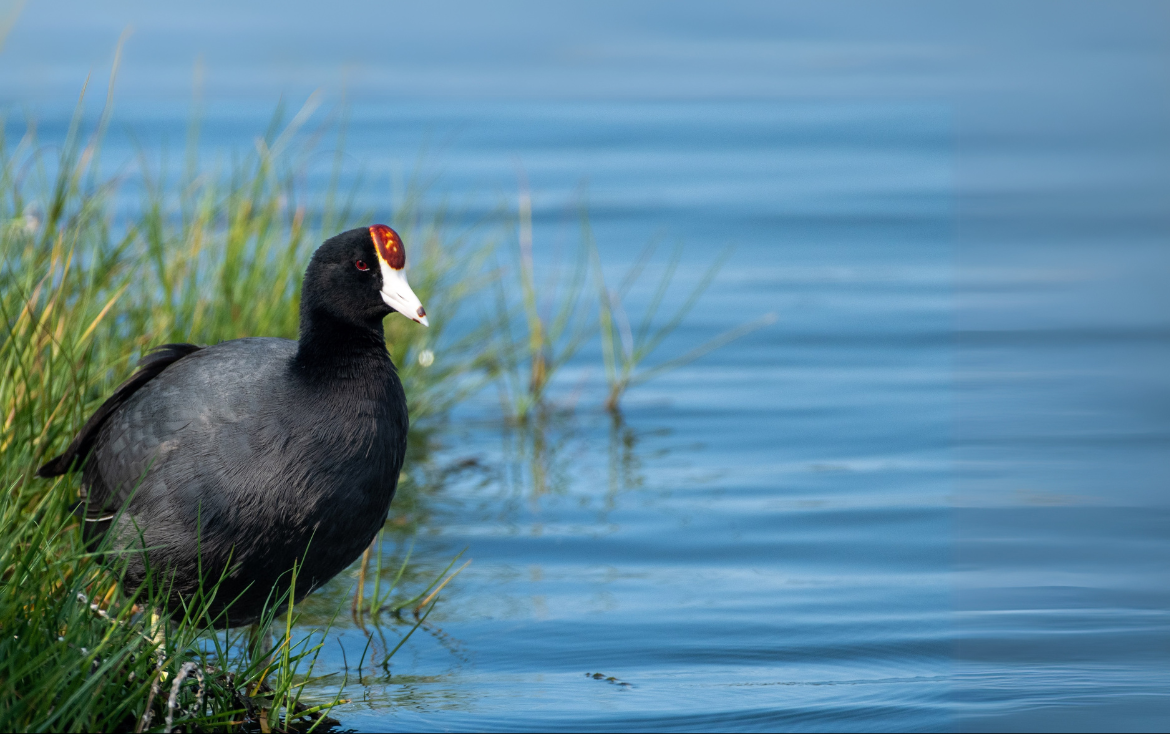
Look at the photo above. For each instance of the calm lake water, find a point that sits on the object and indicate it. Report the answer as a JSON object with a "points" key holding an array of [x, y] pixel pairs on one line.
{"points": [[931, 496]]}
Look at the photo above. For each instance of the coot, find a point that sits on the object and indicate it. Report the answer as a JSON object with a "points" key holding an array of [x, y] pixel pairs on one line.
{"points": [[234, 461]]}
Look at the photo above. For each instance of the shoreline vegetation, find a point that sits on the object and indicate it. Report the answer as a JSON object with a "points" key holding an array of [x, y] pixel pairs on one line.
{"points": [[85, 290]]}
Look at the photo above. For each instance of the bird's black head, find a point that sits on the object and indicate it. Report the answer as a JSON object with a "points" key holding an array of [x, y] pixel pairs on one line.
{"points": [[358, 277]]}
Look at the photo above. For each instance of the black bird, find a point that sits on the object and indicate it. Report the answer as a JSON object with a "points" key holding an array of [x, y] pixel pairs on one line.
{"points": [[239, 459]]}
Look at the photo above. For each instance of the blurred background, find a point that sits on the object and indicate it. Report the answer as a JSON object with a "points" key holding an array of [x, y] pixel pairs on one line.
{"points": [[930, 495]]}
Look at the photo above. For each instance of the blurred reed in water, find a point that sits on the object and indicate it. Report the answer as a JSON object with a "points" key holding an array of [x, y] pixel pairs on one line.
{"points": [[537, 336], [624, 347], [554, 318]]}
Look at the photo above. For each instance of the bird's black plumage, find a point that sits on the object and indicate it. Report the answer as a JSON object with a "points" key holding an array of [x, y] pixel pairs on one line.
{"points": [[239, 459]]}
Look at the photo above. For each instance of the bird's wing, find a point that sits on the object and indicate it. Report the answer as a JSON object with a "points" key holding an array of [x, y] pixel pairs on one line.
{"points": [[148, 368], [183, 438]]}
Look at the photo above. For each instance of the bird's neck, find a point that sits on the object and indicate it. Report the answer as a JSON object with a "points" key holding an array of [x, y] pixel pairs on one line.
{"points": [[330, 348]]}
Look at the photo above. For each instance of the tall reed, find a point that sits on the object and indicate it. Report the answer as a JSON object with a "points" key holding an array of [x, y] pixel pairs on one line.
{"points": [[539, 335]]}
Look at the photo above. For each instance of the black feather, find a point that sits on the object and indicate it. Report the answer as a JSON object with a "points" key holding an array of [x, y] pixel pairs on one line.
{"points": [[148, 368]]}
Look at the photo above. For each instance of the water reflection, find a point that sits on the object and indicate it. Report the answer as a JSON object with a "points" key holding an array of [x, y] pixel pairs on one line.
{"points": [[538, 452], [625, 468]]}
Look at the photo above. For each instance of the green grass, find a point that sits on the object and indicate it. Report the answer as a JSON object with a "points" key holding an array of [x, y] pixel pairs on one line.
{"points": [[83, 293]]}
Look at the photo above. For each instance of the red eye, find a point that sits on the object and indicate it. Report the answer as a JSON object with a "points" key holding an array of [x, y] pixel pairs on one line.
{"points": [[361, 265]]}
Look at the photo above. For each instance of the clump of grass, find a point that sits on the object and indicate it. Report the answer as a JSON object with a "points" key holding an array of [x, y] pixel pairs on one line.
{"points": [[216, 255], [77, 653], [554, 321]]}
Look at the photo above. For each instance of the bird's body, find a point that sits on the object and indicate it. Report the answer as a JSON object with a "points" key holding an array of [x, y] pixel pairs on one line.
{"points": [[236, 452], [230, 463]]}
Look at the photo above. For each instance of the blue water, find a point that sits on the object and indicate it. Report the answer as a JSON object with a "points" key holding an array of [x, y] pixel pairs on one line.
{"points": [[930, 496]]}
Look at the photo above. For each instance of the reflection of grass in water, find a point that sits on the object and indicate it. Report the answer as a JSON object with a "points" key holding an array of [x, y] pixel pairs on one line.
{"points": [[534, 452], [625, 466]]}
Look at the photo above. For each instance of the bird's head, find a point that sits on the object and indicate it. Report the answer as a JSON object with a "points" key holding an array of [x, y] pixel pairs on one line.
{"points": [[360, 276]]}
